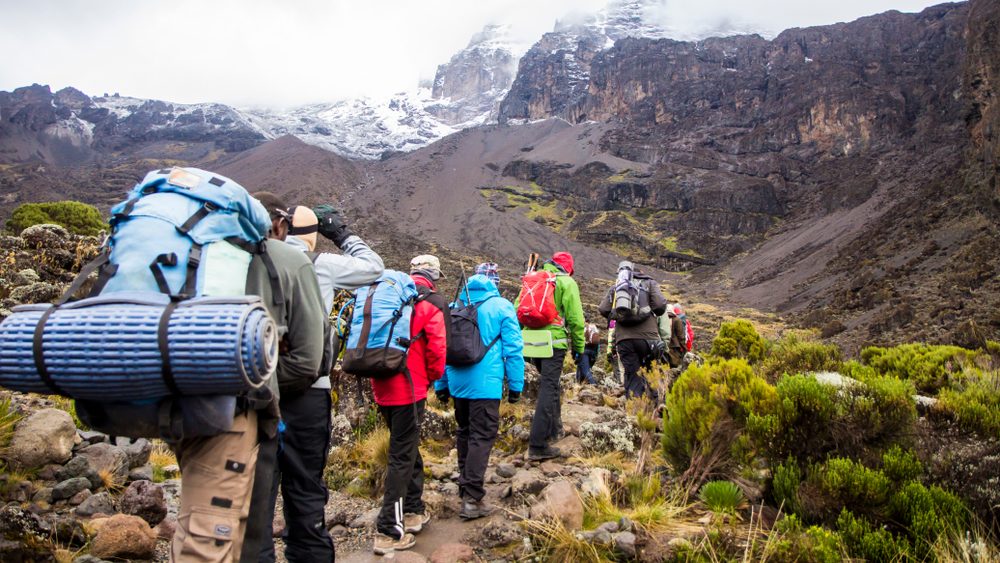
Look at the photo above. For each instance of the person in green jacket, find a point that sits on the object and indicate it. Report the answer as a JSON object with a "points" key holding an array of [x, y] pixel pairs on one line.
{"points": [[567, 336]]}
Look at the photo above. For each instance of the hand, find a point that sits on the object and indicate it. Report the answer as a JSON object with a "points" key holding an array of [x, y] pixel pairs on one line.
{"points": [[443, 395], [513, 396], [331, 224], [576, 358]]}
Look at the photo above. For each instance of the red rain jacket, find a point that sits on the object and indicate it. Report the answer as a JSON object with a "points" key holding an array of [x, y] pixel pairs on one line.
{"points": [[425, 360]]}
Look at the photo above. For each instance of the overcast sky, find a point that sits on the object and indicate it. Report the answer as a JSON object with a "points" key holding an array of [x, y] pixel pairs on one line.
{"points": [[286, 52]]}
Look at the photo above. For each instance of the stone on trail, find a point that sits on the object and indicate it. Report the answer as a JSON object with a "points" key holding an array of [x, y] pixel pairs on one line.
{"points": [[66, 489], [125, 537], [560, 500], [506, 470], [625, 543], [101, 503], [105, 457], [79, 466], [46, 436], [527, 482], [454, 553], [146, 500]]}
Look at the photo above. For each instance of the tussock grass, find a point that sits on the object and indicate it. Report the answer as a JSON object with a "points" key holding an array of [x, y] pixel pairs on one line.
{"points": [[9, 417], [552, 541], [361, 465], [160, 458], [612, 461]]}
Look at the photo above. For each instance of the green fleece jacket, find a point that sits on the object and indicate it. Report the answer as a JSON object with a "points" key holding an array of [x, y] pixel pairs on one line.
{"points": [[570, 308], [300, 318]]}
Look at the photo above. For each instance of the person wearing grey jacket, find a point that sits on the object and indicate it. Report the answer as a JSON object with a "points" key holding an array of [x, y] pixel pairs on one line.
{"points": [[637, 343], [306, 413]]}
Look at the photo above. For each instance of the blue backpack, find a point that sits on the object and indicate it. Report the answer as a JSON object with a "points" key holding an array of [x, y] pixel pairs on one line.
{"points": [[183, 232], [379, 337]]}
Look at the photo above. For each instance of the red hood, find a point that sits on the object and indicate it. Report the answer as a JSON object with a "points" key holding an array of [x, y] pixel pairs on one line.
{"points": [[564, 260], [421, 280]]}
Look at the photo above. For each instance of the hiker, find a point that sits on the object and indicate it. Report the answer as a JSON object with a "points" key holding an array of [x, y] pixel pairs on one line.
{"points": [[305, 439], [634, 302], [676, 334], [491, 271], [478, 388], [300, 318], [401, 399], [592, 344], [565, 333]]}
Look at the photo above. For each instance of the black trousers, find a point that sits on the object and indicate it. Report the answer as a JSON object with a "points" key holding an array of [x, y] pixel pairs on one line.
{"points": [[636, 354], [304, 446], [260, 521], [404, 479], [547, 422], [478, 424]]}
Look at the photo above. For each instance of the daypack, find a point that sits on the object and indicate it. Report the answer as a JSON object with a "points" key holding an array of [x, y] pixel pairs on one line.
{"points": [[465, 346], [379, 336], [537, 301], [186, 233], [688, 335], [331, 343], [630, 297]]}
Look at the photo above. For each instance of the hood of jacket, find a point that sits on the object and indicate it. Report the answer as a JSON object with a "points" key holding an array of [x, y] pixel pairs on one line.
{"points": [[478, 289], [564, 260], [421, 280]]}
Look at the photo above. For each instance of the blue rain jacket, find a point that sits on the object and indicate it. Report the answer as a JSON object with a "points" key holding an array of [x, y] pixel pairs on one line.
{"points": [[485, 379]]}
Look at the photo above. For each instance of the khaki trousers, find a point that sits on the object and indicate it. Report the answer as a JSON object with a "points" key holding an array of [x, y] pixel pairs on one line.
{"points": [[217, 475]]}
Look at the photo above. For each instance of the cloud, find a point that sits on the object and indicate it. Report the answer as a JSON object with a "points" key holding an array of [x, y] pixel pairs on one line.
{"points": [[289, 52]]}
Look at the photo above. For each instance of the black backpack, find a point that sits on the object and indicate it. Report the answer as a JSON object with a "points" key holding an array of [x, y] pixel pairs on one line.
{"points": [[465, 345]]}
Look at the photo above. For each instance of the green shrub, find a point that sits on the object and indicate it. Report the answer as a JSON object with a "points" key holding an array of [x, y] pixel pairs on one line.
{"points": [[791, 542], [975, 403], [929, 367], [870, 543], [927, 513], [785, 485], [793, 355], [842, 482], [811, 420], [739, 339], [708, 407], [78, 218], [724, 497], [901, 465]]}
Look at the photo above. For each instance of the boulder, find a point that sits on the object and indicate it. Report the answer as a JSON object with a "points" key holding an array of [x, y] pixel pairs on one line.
{"points": [[46, 436], [26, 276], [499, 533], [79, 466], [38, 292], [101, 503], [66, 489], [590, 396], [146, 500], [141, 473], [137, 452], [625, 544], [76, 499], [453, 553], [527, 482], [595, 484], [166, 528], [340, 431], [437, 425], [125, 537], [107, 458], [560, 500], [531, 380], [615, 432], [22, 536], [45, 235]]}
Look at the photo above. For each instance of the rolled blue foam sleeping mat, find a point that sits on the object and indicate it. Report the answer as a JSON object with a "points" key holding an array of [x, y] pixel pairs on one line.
{"points": [[108, 348]]}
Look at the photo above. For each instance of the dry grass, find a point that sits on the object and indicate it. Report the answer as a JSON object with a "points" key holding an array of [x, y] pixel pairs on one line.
{"points": [[360, 465], [969, 546], [160, 458], [552, 541], [9, 418]]}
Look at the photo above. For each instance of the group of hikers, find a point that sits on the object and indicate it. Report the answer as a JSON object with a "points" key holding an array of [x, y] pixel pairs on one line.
{"points": [[500, 330], [191, 234]]}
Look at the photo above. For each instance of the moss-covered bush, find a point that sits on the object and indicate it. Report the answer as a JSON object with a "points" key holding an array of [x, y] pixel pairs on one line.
{"points": [[709, 405], [793, 354], [930, 368], [791, 541], [739, 339], [78, 218], [869, 542], [842, 482], [974, 401], [927, 513], [901, 465]]}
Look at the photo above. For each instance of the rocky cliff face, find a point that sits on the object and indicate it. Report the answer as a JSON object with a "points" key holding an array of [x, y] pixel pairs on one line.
{"points": [[69, 127]]}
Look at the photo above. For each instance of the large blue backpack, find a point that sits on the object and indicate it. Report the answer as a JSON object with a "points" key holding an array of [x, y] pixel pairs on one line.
{"points": [[380, 327], [186, 233]]}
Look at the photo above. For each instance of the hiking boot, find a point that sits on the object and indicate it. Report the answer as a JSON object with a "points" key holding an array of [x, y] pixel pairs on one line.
{"points": [[548, 452], [472, 509], [387, 544], [413, 523]]}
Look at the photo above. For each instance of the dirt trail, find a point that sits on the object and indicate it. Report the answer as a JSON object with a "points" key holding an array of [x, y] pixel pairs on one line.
{"points": [[437, 533]]}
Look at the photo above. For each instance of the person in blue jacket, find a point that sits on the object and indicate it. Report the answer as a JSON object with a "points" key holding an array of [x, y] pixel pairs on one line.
{"points": [[477, 390]]}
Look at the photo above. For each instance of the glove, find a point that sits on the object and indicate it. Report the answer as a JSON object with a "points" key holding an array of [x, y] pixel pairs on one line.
{"points": [[331, 224], [443, 395], [576, 358], [513, 396]]}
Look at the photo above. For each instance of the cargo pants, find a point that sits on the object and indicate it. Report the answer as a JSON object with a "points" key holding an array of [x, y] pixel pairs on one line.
{"points": [[217, 475]]}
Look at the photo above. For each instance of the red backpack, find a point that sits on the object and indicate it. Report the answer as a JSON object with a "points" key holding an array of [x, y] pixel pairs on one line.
{"points": [[537, 301]]}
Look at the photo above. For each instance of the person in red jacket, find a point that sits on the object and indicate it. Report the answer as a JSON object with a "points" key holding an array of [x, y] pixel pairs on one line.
{"points": [[401, 400]]}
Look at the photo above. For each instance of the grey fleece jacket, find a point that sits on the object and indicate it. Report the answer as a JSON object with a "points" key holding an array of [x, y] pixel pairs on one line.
{"points": [[647, 329], [357, 267]]}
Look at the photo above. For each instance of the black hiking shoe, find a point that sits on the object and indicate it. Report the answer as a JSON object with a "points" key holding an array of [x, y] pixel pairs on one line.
{"points": [[472, 510], [549, 452]]}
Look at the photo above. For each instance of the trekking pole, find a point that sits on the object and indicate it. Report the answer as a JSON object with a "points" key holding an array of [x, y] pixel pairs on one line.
{"points": [[465, 283]]}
